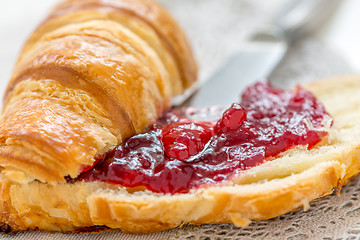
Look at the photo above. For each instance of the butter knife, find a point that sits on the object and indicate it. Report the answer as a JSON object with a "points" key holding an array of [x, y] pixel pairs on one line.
{"points": [[261, 53]]}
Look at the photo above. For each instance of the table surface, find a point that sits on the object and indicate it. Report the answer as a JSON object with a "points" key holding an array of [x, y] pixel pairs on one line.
{"points": [[215, 29]]}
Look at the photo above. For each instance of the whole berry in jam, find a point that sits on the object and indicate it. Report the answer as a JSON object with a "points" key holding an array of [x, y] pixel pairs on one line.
{"points": [[231, 120], [183, 140]]}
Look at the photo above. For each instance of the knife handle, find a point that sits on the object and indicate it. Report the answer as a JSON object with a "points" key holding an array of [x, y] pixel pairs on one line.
{"points": [[303, 17]]}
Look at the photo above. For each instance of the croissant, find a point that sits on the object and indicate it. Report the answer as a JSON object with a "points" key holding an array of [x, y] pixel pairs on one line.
{"points": [[93, 74], [99, 71]]}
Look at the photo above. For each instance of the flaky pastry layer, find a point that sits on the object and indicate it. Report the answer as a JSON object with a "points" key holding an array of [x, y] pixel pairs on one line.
{"points": [[94, 73]]}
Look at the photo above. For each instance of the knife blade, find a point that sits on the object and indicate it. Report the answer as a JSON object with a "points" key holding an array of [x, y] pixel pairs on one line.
{"points": [[255, 60], [258, 57]]}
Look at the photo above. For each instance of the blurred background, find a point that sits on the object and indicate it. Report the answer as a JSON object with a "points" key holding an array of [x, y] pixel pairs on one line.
{"points": [[216, 28]]}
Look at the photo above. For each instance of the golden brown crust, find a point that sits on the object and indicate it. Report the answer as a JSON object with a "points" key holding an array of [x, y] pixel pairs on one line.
{"points": [[143, 17], [146, 213], [94, 73], [287, 183]]}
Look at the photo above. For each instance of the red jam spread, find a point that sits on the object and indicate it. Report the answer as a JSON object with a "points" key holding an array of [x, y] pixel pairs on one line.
{"points": [[177, 153]]}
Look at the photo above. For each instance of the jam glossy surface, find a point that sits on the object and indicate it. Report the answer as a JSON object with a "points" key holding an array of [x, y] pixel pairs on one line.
{"points": [[177, 153]]}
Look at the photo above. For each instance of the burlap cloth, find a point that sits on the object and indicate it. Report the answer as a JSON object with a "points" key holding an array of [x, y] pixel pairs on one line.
{"points": [[215, 28]]}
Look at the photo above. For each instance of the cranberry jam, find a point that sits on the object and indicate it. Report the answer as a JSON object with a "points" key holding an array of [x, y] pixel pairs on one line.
{"points": [[177, 154]]}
